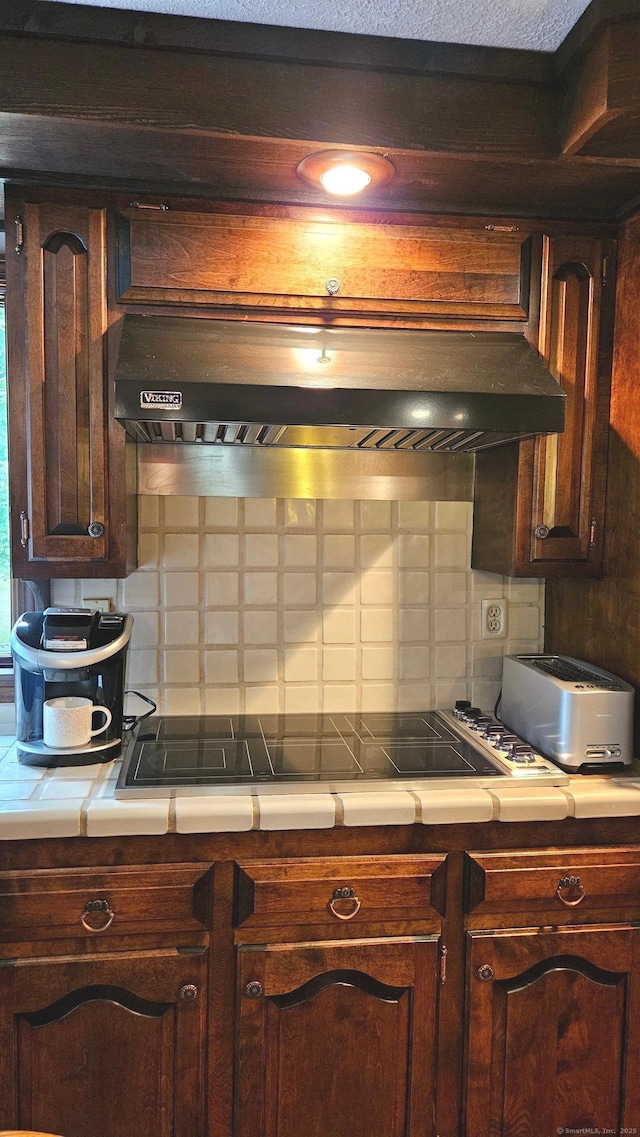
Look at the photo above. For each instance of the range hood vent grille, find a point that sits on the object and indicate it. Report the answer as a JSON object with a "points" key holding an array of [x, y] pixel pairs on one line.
{"points": [[236, 383], [315, 438]]}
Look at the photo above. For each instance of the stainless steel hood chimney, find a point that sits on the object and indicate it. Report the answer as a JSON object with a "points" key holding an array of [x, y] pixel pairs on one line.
{"points": [[233, 382]]}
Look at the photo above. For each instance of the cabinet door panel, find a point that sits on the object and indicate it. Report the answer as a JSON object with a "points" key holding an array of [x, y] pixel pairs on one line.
{"points": [[285, 261], [67, 320], [569, 468], [338, 1040], [72, 478], [104, 1048], [551, 1045]]}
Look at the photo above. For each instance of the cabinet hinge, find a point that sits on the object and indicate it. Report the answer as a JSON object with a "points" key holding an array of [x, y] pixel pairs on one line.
{"points": [[605, 270], [8, 962], [195, 950], [24, 529], [592, 533], [19, 224], [145, 205], [443, 963]]}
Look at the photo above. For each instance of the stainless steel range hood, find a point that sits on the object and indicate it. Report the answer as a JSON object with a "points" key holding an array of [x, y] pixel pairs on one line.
{"points": [[242, 384]]}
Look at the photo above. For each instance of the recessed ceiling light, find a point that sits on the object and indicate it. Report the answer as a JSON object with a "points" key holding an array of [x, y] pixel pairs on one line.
{"points": [[346, 172]]}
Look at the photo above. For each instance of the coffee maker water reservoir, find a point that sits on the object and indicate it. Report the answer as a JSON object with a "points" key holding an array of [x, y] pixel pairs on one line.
{"points": [[62, 652]]}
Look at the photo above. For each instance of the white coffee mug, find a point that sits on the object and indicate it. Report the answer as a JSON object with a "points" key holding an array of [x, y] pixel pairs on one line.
{"points": [[67, 721]]}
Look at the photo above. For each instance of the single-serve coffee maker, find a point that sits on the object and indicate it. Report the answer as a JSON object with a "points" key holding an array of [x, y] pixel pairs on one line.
{"points": [[69, 679]]}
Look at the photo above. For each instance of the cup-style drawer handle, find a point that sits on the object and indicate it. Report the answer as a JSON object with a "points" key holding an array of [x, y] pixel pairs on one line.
{"points": [[344, 894], [104, 913], [573, 886]]}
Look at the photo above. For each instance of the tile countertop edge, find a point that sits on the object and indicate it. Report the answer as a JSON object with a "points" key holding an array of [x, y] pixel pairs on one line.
{"points": [[101, 815], [79, 801]]}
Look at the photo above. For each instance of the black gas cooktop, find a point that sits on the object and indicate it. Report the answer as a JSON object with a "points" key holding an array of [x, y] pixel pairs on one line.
{"points": [[289, 753]]}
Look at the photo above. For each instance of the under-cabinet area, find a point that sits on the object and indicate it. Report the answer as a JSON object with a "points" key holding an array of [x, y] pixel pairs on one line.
{"points": [[83, 261], [389, 981]]}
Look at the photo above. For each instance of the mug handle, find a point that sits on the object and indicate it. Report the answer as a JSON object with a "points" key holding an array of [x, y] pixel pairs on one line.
{"points": [[109, 716]]}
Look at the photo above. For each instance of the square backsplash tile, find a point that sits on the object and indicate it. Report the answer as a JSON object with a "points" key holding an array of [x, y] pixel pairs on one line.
{"points": [[264, 606]]}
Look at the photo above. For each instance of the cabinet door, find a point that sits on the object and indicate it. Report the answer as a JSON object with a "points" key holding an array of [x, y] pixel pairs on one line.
{"points": [[106, 1047], [291, 259], [569, 469], [60, 449], [539, 506], [553, 1032], [337, 1039]]}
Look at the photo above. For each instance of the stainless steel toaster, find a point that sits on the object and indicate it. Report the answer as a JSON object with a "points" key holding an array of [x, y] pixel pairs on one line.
{"points": [[574, 713]]}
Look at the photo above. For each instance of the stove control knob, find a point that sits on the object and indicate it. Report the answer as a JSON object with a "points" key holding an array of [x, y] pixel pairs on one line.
{"points": [[461, 706], [521, 753], [471, 714], [481, 723], [494, 733], [506, 740]]}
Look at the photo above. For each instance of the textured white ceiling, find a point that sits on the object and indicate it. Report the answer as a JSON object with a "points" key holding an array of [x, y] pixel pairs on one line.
{"points": [[537, 24]]}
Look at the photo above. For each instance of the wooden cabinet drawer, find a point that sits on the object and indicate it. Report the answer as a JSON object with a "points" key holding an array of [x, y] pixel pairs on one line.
{"points": [[558, 881], [284, 262], [53, 904], [328, 892]]}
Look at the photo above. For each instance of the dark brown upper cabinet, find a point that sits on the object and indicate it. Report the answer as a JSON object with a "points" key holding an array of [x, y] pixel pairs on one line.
{"points": [[67, 456], [278, 259], [539, 505]]}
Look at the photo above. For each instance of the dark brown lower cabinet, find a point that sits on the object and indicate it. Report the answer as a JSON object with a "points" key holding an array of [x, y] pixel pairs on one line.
{"points": [[108, 1046], [337, 1039], [553, 1039]]}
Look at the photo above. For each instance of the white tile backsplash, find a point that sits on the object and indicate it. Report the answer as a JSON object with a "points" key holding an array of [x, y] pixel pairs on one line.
{"points": [[263, 606]]}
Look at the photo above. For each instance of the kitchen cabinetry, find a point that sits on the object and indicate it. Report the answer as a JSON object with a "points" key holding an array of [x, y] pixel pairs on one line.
{"points": [[101, 1033], [371, 999], [337, 1038], [330, 262], [68, 479], [392, 993], [104, 1045], [553, 1036], [539, 505], [553, 1007]]}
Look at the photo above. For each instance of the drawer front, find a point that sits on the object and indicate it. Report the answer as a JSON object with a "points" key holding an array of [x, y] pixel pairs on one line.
{"points": [[53, 904], [558, 881], [329, 892], [285, 263]]}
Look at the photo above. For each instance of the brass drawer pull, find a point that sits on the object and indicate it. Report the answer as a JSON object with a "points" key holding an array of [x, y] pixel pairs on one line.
{"points": [[573, 885], [344, 894], [189, 993], [99, 906]]}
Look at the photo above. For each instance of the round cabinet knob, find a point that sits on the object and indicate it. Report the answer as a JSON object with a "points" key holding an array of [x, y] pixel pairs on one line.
{"points": [[332, 286], [541, 532], [97, 916], [254, 990], [486, 973], [95, 529], [188, 993], [570, 891]]}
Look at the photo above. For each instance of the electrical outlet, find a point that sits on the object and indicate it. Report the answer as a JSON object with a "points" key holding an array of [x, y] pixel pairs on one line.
{"points": [[494, 619], [96, 605]]}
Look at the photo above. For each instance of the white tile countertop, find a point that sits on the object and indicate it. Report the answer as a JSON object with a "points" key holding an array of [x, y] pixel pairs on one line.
{"points": [[79, 801]]}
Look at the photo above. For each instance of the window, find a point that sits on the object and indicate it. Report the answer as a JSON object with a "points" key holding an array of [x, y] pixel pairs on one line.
{"points": [[5, 567]]}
